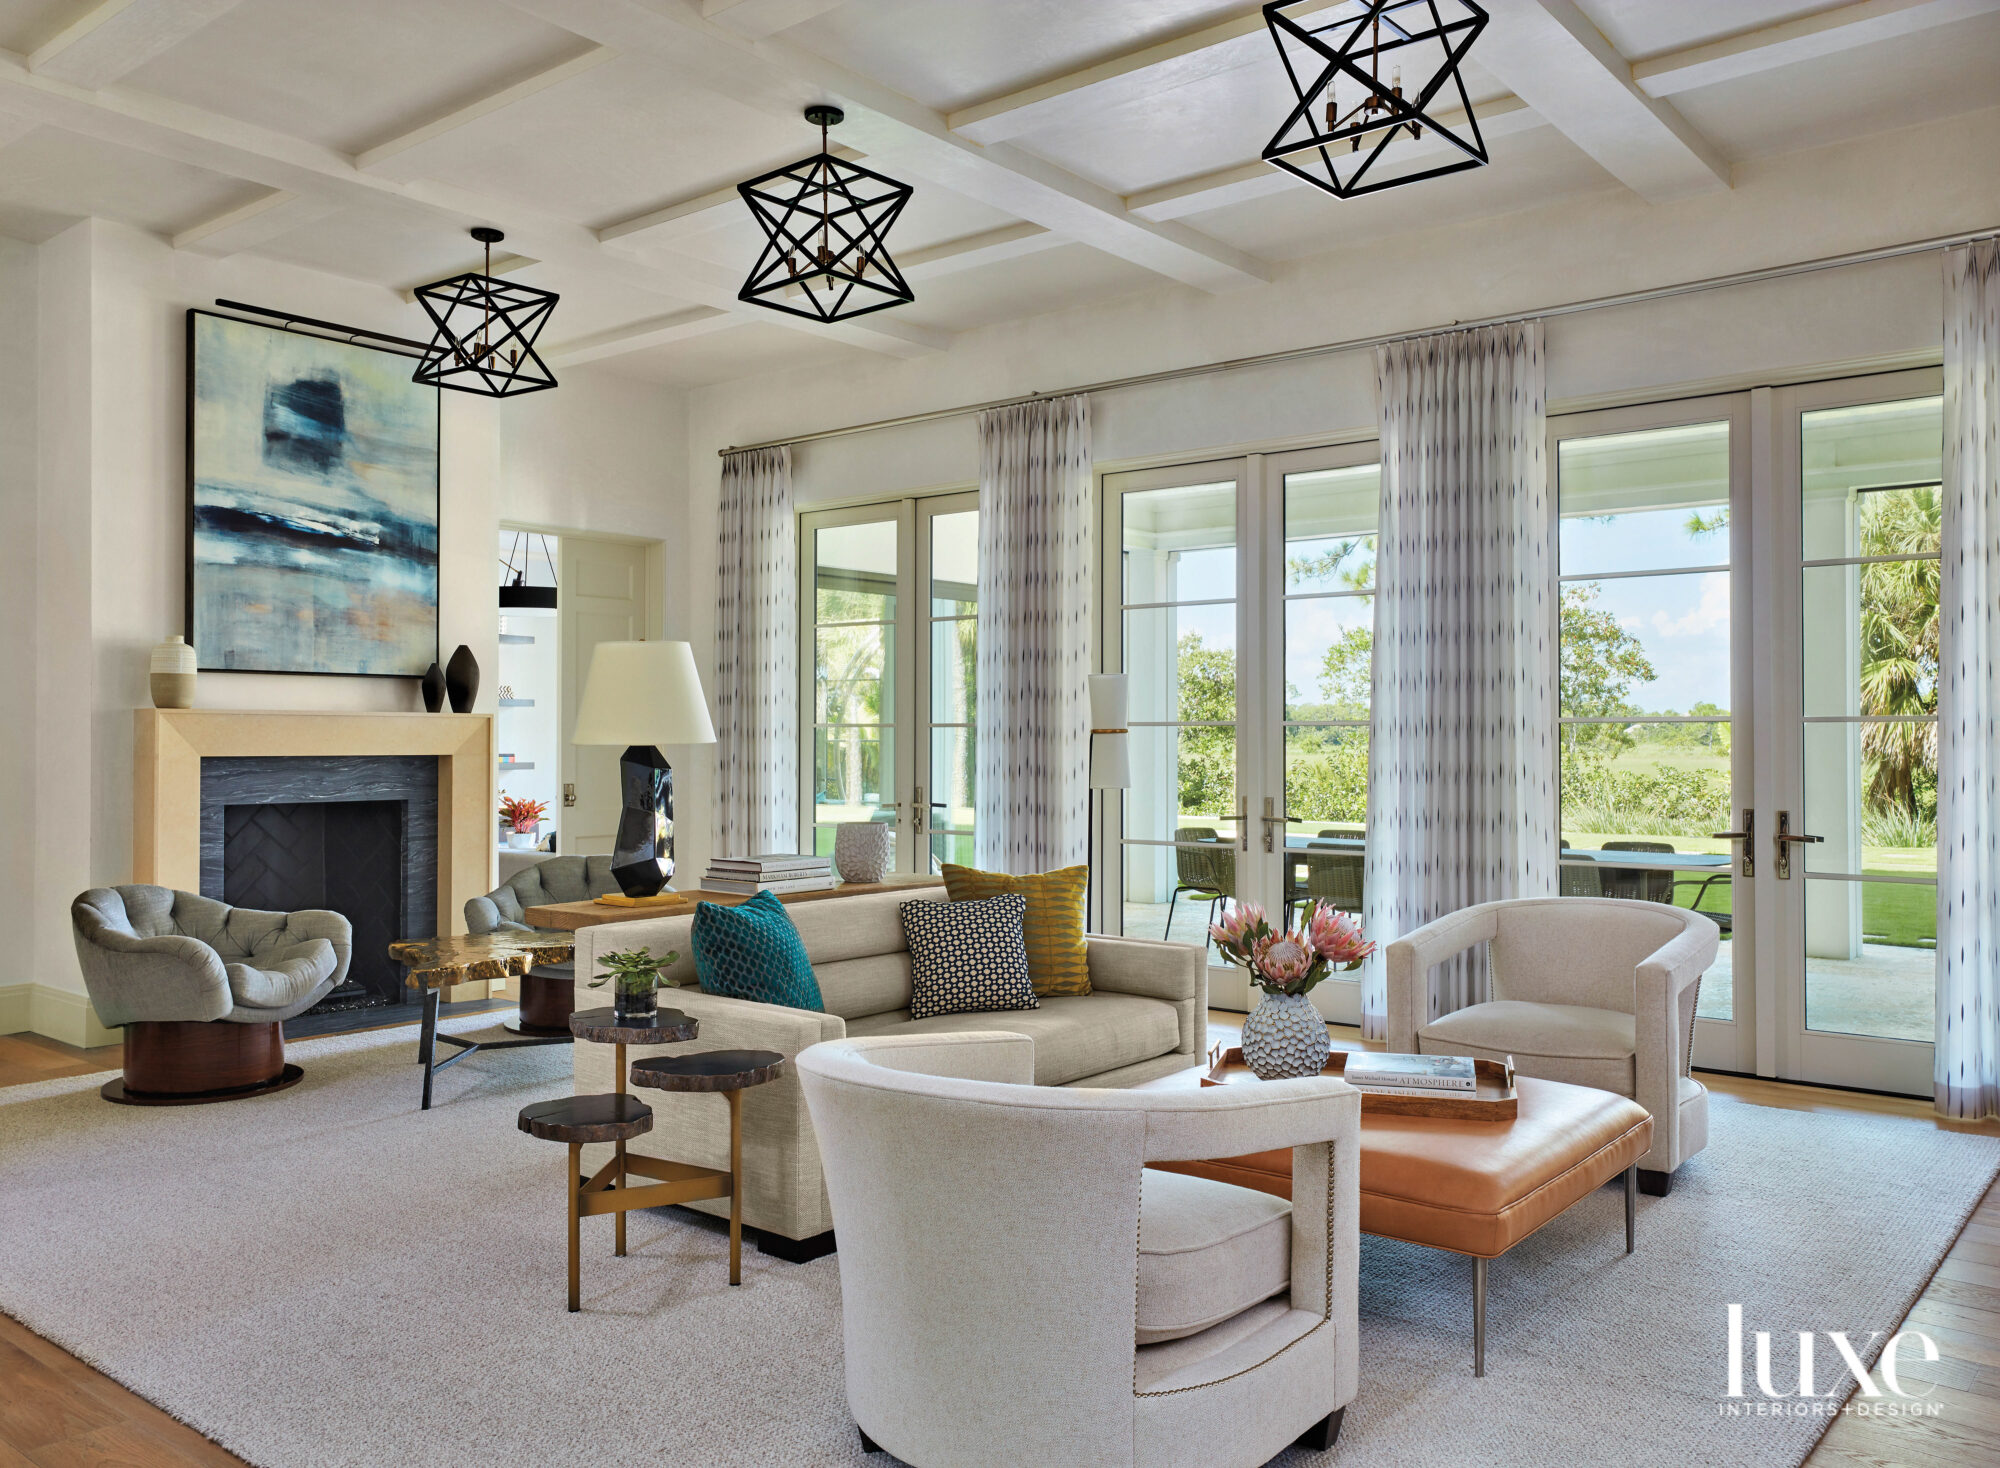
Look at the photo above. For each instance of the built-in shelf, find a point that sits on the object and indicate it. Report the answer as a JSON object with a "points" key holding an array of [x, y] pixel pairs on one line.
{"points": [[516, 639], [517, 703], [516, 765]]}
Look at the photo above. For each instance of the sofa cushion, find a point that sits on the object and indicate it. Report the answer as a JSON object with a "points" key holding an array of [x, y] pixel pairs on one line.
{"points": [[967, 957], [1052, 931], [853, 987], [1075, 1035], [752, 951], [1207, 1251], [1556, 1042]]}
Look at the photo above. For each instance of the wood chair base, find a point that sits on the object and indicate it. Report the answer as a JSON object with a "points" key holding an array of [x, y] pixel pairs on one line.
{"points": [[120, 1093], [1322, 1434], [546, 1004]]}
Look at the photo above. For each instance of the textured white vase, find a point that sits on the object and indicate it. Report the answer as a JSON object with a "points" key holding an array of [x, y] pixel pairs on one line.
{"points": [[172, 669], [861, 850], [1284, 1036]]}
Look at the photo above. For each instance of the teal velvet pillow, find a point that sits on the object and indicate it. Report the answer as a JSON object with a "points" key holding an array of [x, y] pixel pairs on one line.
{"points": [[752, 951]]}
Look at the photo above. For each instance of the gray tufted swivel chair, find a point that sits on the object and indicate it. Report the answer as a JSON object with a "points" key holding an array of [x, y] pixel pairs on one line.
{"points": [[548, 993], [201, 988]]}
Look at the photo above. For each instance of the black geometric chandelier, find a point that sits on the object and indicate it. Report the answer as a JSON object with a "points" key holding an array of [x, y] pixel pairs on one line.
{"points": [[825, 223], [1347, 70], [486, 330]]}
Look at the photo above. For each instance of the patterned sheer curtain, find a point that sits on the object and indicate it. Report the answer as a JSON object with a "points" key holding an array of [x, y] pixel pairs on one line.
{"points": [[1462, 756], [1968, 945], [756, 685], [1033, 723]]}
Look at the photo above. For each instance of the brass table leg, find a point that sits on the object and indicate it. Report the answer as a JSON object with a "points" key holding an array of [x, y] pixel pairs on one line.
{"points": [[574, 1184], [735, 1099], [618, 1064]]}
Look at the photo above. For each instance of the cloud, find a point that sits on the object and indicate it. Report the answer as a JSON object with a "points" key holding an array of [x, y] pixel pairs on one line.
{"points": [[1708, 615]]}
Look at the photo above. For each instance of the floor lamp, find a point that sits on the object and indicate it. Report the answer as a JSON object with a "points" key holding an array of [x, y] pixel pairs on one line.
{"points": [[1110, 764]]}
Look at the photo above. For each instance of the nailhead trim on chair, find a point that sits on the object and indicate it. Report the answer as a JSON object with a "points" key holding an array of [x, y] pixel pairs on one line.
{"points": [[1326, 1310]]}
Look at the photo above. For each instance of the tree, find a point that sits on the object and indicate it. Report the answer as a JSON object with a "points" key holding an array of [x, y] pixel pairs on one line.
{"points": [[1345, 673], [1899, 647], [1600, 663], [1207, 755]]}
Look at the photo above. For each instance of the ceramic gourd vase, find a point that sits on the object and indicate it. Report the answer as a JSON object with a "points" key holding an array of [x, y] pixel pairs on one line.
{"points": [[861, 850], [461, 679], [1283, 1037], [433, 688], [172, 670]]}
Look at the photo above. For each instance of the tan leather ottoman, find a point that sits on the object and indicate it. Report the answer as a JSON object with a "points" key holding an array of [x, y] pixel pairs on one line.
{"points": [[1477, 1187]]}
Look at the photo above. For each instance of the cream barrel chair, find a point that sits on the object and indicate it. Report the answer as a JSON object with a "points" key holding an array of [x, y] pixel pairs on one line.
{"points": [[1596, 991], [1018, 1287]]}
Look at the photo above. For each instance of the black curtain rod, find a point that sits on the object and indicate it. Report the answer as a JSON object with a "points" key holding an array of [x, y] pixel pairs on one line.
{"points": [[421, 349]]}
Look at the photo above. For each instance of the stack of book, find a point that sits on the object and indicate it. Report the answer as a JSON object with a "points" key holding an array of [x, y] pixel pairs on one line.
{"points": [[1411, 1075], [779, 872]]}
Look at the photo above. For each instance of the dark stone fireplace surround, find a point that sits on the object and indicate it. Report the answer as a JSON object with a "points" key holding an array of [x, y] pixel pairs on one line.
{"points": [[359, 790]]}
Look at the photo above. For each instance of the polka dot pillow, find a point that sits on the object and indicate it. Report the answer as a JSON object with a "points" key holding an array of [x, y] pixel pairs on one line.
{"points": [[967, 957]]}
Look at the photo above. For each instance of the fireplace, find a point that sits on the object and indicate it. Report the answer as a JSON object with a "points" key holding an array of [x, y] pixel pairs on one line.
{"points": [[357, 835]]}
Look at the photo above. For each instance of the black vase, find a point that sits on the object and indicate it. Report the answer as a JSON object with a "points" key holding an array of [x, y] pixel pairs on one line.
{"points": [[461, 679], [433, 688], [640, 1009]]}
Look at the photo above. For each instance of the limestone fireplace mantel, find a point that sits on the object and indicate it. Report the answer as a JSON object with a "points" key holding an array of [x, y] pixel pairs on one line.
{"points": [[169, 746]]}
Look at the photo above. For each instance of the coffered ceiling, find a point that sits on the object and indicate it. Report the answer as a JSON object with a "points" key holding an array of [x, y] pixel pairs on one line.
{"points": [[1061, 151]]}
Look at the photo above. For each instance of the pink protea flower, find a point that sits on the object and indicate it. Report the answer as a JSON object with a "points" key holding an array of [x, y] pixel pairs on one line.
{"points": [[1336, 937], [1284, 958], [1238, 923]]}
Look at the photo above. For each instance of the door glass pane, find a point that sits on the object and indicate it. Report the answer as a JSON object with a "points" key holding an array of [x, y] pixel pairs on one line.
{"points": [[954, 669], [955, 564], [1178, 551], [1871, 958], [854, 572], [950, 795], [1871, 507], [1329, 643], [854, 674], [1644, 621], [854, 768], [1330, 520]]}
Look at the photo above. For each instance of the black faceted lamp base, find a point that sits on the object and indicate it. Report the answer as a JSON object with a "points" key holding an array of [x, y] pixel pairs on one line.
{"points": [[642, 859]]}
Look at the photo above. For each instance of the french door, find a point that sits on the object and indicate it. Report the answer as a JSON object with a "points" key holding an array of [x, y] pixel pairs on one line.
{"points": [[1238, 600], [889, 603], [1748, 633]]}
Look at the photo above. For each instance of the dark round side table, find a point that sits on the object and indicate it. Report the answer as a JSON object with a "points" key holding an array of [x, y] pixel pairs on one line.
{"points": [[731, 1072], [578, 1120], [604, 1027]]}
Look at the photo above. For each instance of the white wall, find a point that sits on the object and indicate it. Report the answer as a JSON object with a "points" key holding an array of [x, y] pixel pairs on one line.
{"points": [[1920, 183], [105, 473], [18, 514]]}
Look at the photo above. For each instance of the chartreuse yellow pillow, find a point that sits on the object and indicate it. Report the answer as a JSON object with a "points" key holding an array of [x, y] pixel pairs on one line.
{"points": [[1052, 930]]}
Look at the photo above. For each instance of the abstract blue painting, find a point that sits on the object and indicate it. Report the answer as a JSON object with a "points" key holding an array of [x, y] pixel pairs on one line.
{"points": [[313, 524]]}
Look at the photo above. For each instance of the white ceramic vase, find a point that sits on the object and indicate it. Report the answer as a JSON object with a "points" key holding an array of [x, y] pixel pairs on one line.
{"points": [[172, 668], [1284, 1036], [861, 850]]}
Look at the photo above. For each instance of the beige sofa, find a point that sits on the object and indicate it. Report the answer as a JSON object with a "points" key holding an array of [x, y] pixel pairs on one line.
{"points": [[1146, 1016]]}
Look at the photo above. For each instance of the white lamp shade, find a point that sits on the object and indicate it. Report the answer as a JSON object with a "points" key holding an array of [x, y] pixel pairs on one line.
{"points": [[1110, 744], [643, 693]]}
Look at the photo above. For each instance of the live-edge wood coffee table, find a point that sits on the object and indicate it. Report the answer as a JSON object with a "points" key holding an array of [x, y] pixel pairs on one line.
{"points": [[437, 964]]}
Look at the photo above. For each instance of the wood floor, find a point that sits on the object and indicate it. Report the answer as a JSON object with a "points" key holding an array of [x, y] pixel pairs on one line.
{"points": [[56, 1412]]}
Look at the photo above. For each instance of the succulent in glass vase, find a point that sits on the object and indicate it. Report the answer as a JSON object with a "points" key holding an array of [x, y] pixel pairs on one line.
{"points": [[1284, 1035], [635, 976]]}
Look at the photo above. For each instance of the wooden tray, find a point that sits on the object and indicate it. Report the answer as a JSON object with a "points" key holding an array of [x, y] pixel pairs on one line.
{"points": [[1495, 1099]]}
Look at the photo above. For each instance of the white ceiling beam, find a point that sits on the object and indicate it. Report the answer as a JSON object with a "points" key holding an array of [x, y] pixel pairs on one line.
{"points": [[1550, 55], [114, 38], [969, 252], [1806, 39], [165, 128], [900, 135], [393, 157], [640, 336], [760, 18], [13, 129], [1138, 76], [502, 265], [255, 224], [692, 216], [1498, 118]]}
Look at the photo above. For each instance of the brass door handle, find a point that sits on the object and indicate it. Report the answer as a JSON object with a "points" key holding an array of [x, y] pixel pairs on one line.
{"points": [[1747, 836], [1784, 841]]}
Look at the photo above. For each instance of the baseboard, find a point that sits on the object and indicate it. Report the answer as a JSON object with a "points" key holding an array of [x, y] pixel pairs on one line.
{"points": [[65, 1015], [15, 1008]]}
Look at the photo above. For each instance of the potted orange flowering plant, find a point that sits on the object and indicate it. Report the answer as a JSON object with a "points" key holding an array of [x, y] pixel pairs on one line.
{"points": [[524, 819], [1284, 1035]]}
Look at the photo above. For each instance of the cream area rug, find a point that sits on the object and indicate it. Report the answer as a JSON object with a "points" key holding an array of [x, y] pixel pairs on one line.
{"points": [[329, 1276]]}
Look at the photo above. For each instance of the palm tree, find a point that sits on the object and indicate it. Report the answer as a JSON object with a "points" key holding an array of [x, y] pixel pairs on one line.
{"points": [[1899, 642]]}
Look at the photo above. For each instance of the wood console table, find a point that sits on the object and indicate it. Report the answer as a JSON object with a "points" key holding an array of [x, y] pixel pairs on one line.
{"points": [[567, 917]]}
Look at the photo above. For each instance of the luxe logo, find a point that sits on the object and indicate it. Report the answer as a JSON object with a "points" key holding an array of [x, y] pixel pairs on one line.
{"points": [[1870, 1400]]}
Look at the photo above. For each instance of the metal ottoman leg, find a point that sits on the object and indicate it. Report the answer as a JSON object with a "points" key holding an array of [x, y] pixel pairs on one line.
{"points": [[1479, 1317], [1631, 1204]]}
